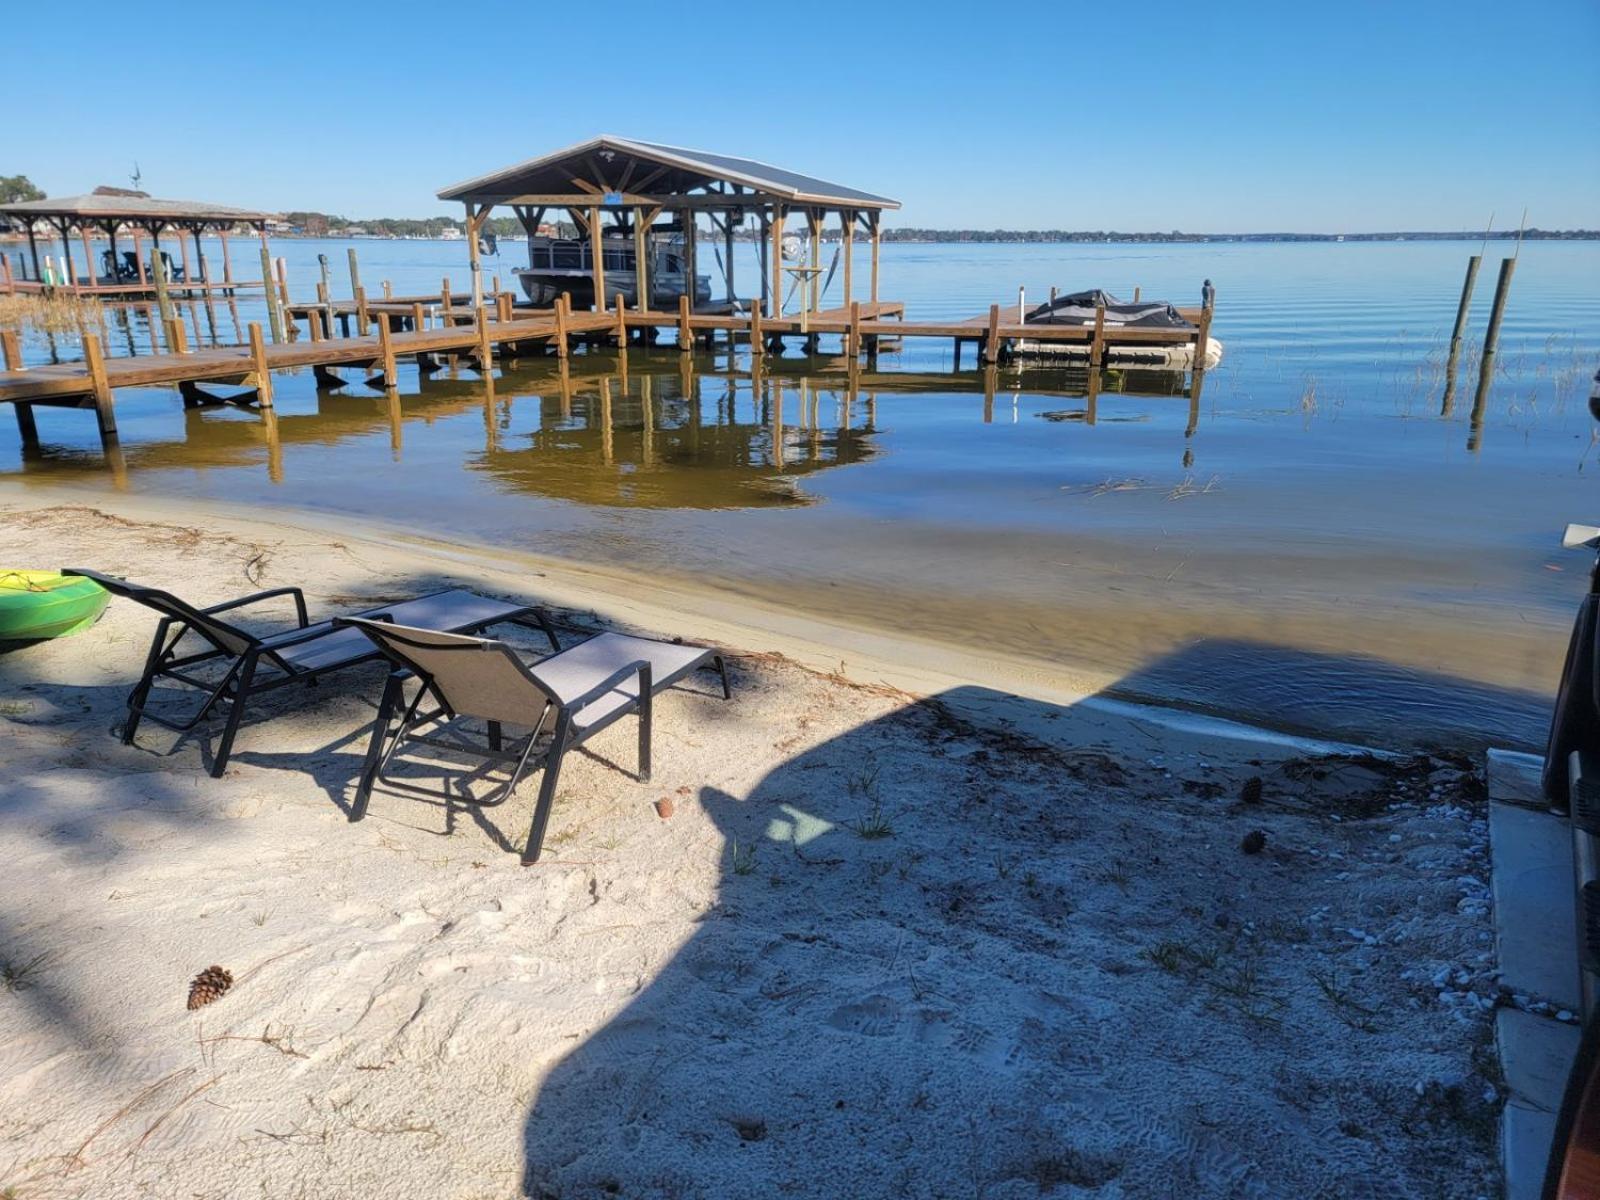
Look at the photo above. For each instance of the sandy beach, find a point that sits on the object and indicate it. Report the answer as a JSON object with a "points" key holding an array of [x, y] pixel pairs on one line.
{"points": [[918, 924]]}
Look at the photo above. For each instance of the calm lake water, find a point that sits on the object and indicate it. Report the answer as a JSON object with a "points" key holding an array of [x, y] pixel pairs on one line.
{"points": [[1318, 543]]}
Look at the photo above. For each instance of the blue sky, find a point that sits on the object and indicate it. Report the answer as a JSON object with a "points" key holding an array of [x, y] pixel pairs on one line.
{"points": [[1222, 117]]}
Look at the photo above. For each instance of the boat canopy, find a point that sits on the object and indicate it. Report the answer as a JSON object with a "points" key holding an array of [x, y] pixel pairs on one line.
{"points": [[1079, 308]]}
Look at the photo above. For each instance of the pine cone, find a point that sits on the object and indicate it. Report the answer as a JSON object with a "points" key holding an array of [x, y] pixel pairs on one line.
{"points": [[1251, 792], [211, 984]]}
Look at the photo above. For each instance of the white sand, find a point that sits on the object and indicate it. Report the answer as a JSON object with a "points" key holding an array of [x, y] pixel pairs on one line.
{"points": [[1053, 973]]}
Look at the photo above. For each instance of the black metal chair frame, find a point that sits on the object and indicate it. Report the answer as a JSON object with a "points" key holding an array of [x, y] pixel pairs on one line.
{"points": [[243, 652], [563, 736]]}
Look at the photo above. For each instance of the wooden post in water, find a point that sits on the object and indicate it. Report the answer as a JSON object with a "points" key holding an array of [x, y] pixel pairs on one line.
{"points": [[1454, 360], [757, 348], [258, 356], [502, 306], [386, 353], [11, 349], [227, 259], [1202, 337], [5, 266], [853, 338], [158, 269], [419, 317], [1136, 293], [622, 322], [1097, 348], [388, 290], [356, 293], [445, 302], [685, 339], [485, 352], [104, 407], [274, 314], [1491, 338], [561, 324], [991, 340]]}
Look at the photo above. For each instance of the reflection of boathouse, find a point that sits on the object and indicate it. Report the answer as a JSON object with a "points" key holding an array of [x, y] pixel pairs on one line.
{"points": [[678, 440]]}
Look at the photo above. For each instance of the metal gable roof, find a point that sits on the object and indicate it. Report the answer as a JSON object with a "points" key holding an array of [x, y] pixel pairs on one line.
{"points": [[694, 168]]}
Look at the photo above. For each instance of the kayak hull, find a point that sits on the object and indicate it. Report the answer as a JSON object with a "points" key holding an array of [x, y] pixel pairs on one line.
{"points": [[35, 605]]}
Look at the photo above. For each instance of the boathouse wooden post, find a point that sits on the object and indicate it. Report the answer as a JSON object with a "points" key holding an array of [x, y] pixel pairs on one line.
{"points": [[446, 303], [691, 259], [876, 220], [258, 356], [779, 216], [757, 347], [474, 223], [597, 264], [227, 255], [1097, 348], [991, 339], [641, 260], [386, 352], [847, 228], [188, 266], [104, 407], [685, 340], [622, 322], [853, 338], [814, 285], [88, 256]]}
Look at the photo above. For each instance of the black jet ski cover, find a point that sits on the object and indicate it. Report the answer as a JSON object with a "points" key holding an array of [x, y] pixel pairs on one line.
{"points": [[1078, 309]]}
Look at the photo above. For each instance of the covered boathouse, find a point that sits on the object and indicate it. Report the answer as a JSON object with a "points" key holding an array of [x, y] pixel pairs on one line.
{"points": [[614, 189]]}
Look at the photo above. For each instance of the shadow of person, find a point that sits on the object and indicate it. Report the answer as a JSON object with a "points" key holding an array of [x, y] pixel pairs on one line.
{"points": [[882, 1000]]}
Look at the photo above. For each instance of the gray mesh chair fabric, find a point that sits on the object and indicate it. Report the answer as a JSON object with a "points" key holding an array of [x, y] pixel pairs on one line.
{"points": [[557, 703], [251, 664]]}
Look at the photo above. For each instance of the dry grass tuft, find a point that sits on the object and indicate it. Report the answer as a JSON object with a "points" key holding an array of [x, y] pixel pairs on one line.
{"points": [[49, 314]]}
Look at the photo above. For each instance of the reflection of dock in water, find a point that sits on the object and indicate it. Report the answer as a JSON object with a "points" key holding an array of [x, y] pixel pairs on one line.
{"points": [[631, 429]]}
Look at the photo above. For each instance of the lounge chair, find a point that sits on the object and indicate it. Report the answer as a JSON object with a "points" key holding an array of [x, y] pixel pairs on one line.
{"points": [[255, 664], [561, 702]]}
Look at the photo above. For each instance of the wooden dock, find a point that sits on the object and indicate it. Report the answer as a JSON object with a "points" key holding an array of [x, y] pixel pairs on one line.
{"points": [[479, 335]]}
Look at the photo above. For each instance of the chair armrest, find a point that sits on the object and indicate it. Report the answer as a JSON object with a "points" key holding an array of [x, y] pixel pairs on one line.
{"points": [[271, 593], [638, 666]]}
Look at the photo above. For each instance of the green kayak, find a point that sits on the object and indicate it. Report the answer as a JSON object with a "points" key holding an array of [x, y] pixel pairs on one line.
{"points": [[43, 604]]}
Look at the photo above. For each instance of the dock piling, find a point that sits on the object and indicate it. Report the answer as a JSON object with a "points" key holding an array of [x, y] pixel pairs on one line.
{"points": [[274, 316], [11, 348], [258, 356], [991, 340], [685, 339], [386, 353], [105, 411], [1097, 348], [561, 324]]}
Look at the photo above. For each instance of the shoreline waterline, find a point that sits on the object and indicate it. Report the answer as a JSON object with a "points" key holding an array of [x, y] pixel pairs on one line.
{"points": [[748, 618]]}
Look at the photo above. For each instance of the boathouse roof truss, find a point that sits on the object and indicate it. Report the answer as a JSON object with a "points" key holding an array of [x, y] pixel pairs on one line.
{"points": [[611, 170]]}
